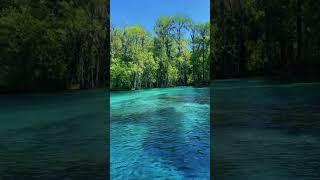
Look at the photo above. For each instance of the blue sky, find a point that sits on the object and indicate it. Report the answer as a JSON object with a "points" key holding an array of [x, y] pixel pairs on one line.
{"points": [[145, 12]]}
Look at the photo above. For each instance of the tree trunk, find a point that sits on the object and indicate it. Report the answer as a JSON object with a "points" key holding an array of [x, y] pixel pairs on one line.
{"points": [[300, 57], [203, 60], [268, 38]]}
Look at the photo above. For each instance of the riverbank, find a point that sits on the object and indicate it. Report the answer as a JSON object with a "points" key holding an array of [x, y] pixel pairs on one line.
{"points": [[274, 78], [194, 85], [4, 91]]}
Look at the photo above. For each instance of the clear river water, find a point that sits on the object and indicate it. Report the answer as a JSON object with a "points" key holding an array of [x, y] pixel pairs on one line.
{"points": [[261, 129], [160, 134]]}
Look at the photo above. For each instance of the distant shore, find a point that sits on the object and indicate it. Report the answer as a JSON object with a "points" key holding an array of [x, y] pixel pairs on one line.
{"points": [[195, 85]]}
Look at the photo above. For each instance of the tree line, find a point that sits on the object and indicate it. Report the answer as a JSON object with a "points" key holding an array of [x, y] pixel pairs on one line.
{"points": [[265, 37], [62, 44], [177, 53], [53, 44]]}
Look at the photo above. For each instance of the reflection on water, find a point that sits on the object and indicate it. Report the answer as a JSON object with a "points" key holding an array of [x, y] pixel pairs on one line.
{"points": [[266, 130], [53, 136], [160, 133]]}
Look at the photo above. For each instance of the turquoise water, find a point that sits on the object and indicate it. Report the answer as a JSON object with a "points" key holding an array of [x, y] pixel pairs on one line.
{"points": [[266, 129], [54, 136], [160, 133], [261, 130]]}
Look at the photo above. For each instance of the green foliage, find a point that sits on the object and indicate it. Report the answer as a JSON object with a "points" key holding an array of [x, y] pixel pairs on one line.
{"points": [[256, 37], [51, 45], [256, 58], [163, 60]]}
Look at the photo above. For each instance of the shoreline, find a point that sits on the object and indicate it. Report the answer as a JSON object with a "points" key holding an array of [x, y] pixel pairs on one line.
{"points": [[200, 85], [32, 92], [142, 89], [128, 90]]}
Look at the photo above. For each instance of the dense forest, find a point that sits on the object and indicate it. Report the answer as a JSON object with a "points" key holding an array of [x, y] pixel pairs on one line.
{"points": [[53, 44], [265, 37], [63, 44], [176, 53]]}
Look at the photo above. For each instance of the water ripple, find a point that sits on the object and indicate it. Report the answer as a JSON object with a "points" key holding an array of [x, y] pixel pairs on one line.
{"points": [[164, 133]]}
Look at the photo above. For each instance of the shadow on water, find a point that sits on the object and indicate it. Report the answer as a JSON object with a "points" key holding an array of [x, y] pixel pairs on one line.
{"points": [[200, 99], [165, 139], [161, 141]]}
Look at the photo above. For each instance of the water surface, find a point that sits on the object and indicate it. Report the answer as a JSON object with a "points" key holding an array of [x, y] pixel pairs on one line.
{"points": [[53, 136], [160, 133], [266, 129]]}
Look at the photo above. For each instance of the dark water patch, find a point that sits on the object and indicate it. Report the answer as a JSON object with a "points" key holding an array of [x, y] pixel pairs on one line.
{"points": [[165, 138], [200, 99]]}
